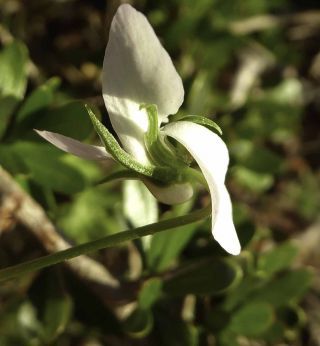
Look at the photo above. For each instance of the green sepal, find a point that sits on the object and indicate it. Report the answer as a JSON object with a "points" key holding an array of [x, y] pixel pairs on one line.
{"points": [[158, 149], [163, 174], [208, 123], [151, 135]]}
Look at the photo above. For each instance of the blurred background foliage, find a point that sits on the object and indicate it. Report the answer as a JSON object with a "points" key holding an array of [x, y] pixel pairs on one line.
{"points": [[254, 67]]}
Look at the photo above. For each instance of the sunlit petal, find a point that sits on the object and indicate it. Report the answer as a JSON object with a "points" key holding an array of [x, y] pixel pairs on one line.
{"points": [[212, 156], [137, 70], [72, 146]]}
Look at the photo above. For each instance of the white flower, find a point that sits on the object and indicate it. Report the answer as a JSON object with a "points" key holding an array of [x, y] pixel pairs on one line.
{"points": [[137, 70]]}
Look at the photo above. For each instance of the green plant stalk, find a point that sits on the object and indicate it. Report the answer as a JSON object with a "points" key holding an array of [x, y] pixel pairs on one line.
{"points": [[112, 240]]}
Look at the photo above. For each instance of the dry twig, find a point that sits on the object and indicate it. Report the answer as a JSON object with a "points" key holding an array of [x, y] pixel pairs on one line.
{"points": [[18, 206]]}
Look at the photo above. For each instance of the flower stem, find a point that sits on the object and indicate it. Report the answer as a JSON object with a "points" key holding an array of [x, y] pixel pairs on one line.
{"points": [[111, 240]]}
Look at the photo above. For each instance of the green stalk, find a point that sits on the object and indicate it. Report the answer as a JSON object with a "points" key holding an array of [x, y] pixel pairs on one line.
{"points": [[111, 240]]}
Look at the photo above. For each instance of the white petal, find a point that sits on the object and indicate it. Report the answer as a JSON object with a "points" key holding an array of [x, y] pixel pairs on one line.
{"points": [[212, 156], [72, 146], [172, 194], [137, 70]]}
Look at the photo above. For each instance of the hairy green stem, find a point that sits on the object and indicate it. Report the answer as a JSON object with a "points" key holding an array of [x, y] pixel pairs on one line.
{"points": [[112, 240]]}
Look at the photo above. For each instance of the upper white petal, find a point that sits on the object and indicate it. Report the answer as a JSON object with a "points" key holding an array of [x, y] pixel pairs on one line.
{"points": [[212, 156], [72, 146], [137, 70]]}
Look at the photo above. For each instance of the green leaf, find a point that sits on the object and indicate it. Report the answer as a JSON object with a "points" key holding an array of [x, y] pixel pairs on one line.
{"points": [[243, 291], [13, 75], [170, 330], [246, 232], [53, 304], [90, 215], [217, 319], [214, 276], [252, 319], [70, 119], [275, 333], [18, 322], [166, 247], [208, 123], [256, 182], [150, 293], [57, 310], [38, 100], [45, 165], [200, 95], [277, 259], [263, 160], [11, 160], [288, 288], [7, 106], [139, 323]]}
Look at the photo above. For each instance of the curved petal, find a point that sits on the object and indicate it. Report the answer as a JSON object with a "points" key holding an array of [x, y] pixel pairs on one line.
{"points": [[137, 70], [172, 194], [72, 146], [212, 156]]}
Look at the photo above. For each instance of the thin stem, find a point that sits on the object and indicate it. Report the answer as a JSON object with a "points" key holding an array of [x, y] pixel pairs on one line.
{"points": [[112, 240]]}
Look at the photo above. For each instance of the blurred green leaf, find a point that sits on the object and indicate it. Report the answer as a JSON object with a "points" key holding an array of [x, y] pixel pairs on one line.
{"points": [[7, 106], [150, 292], [11, 160], [243, 291], [170, 330], [290, 287], [256, 182], [18, 323], [263, 160], [52, 303], [44, 164], [252, 319], [13, 74], [217, 319], [57, 310], [199, 97], [139, 323], [246, 232], [70, 119], [277, 259], [39, 99], [213, 276], [275, 333], [166, 246], [90, 215]]}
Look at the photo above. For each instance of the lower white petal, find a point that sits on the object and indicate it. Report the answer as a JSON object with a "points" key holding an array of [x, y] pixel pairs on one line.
{"points": [[172, 194], [72, 146], [212, 156]]}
